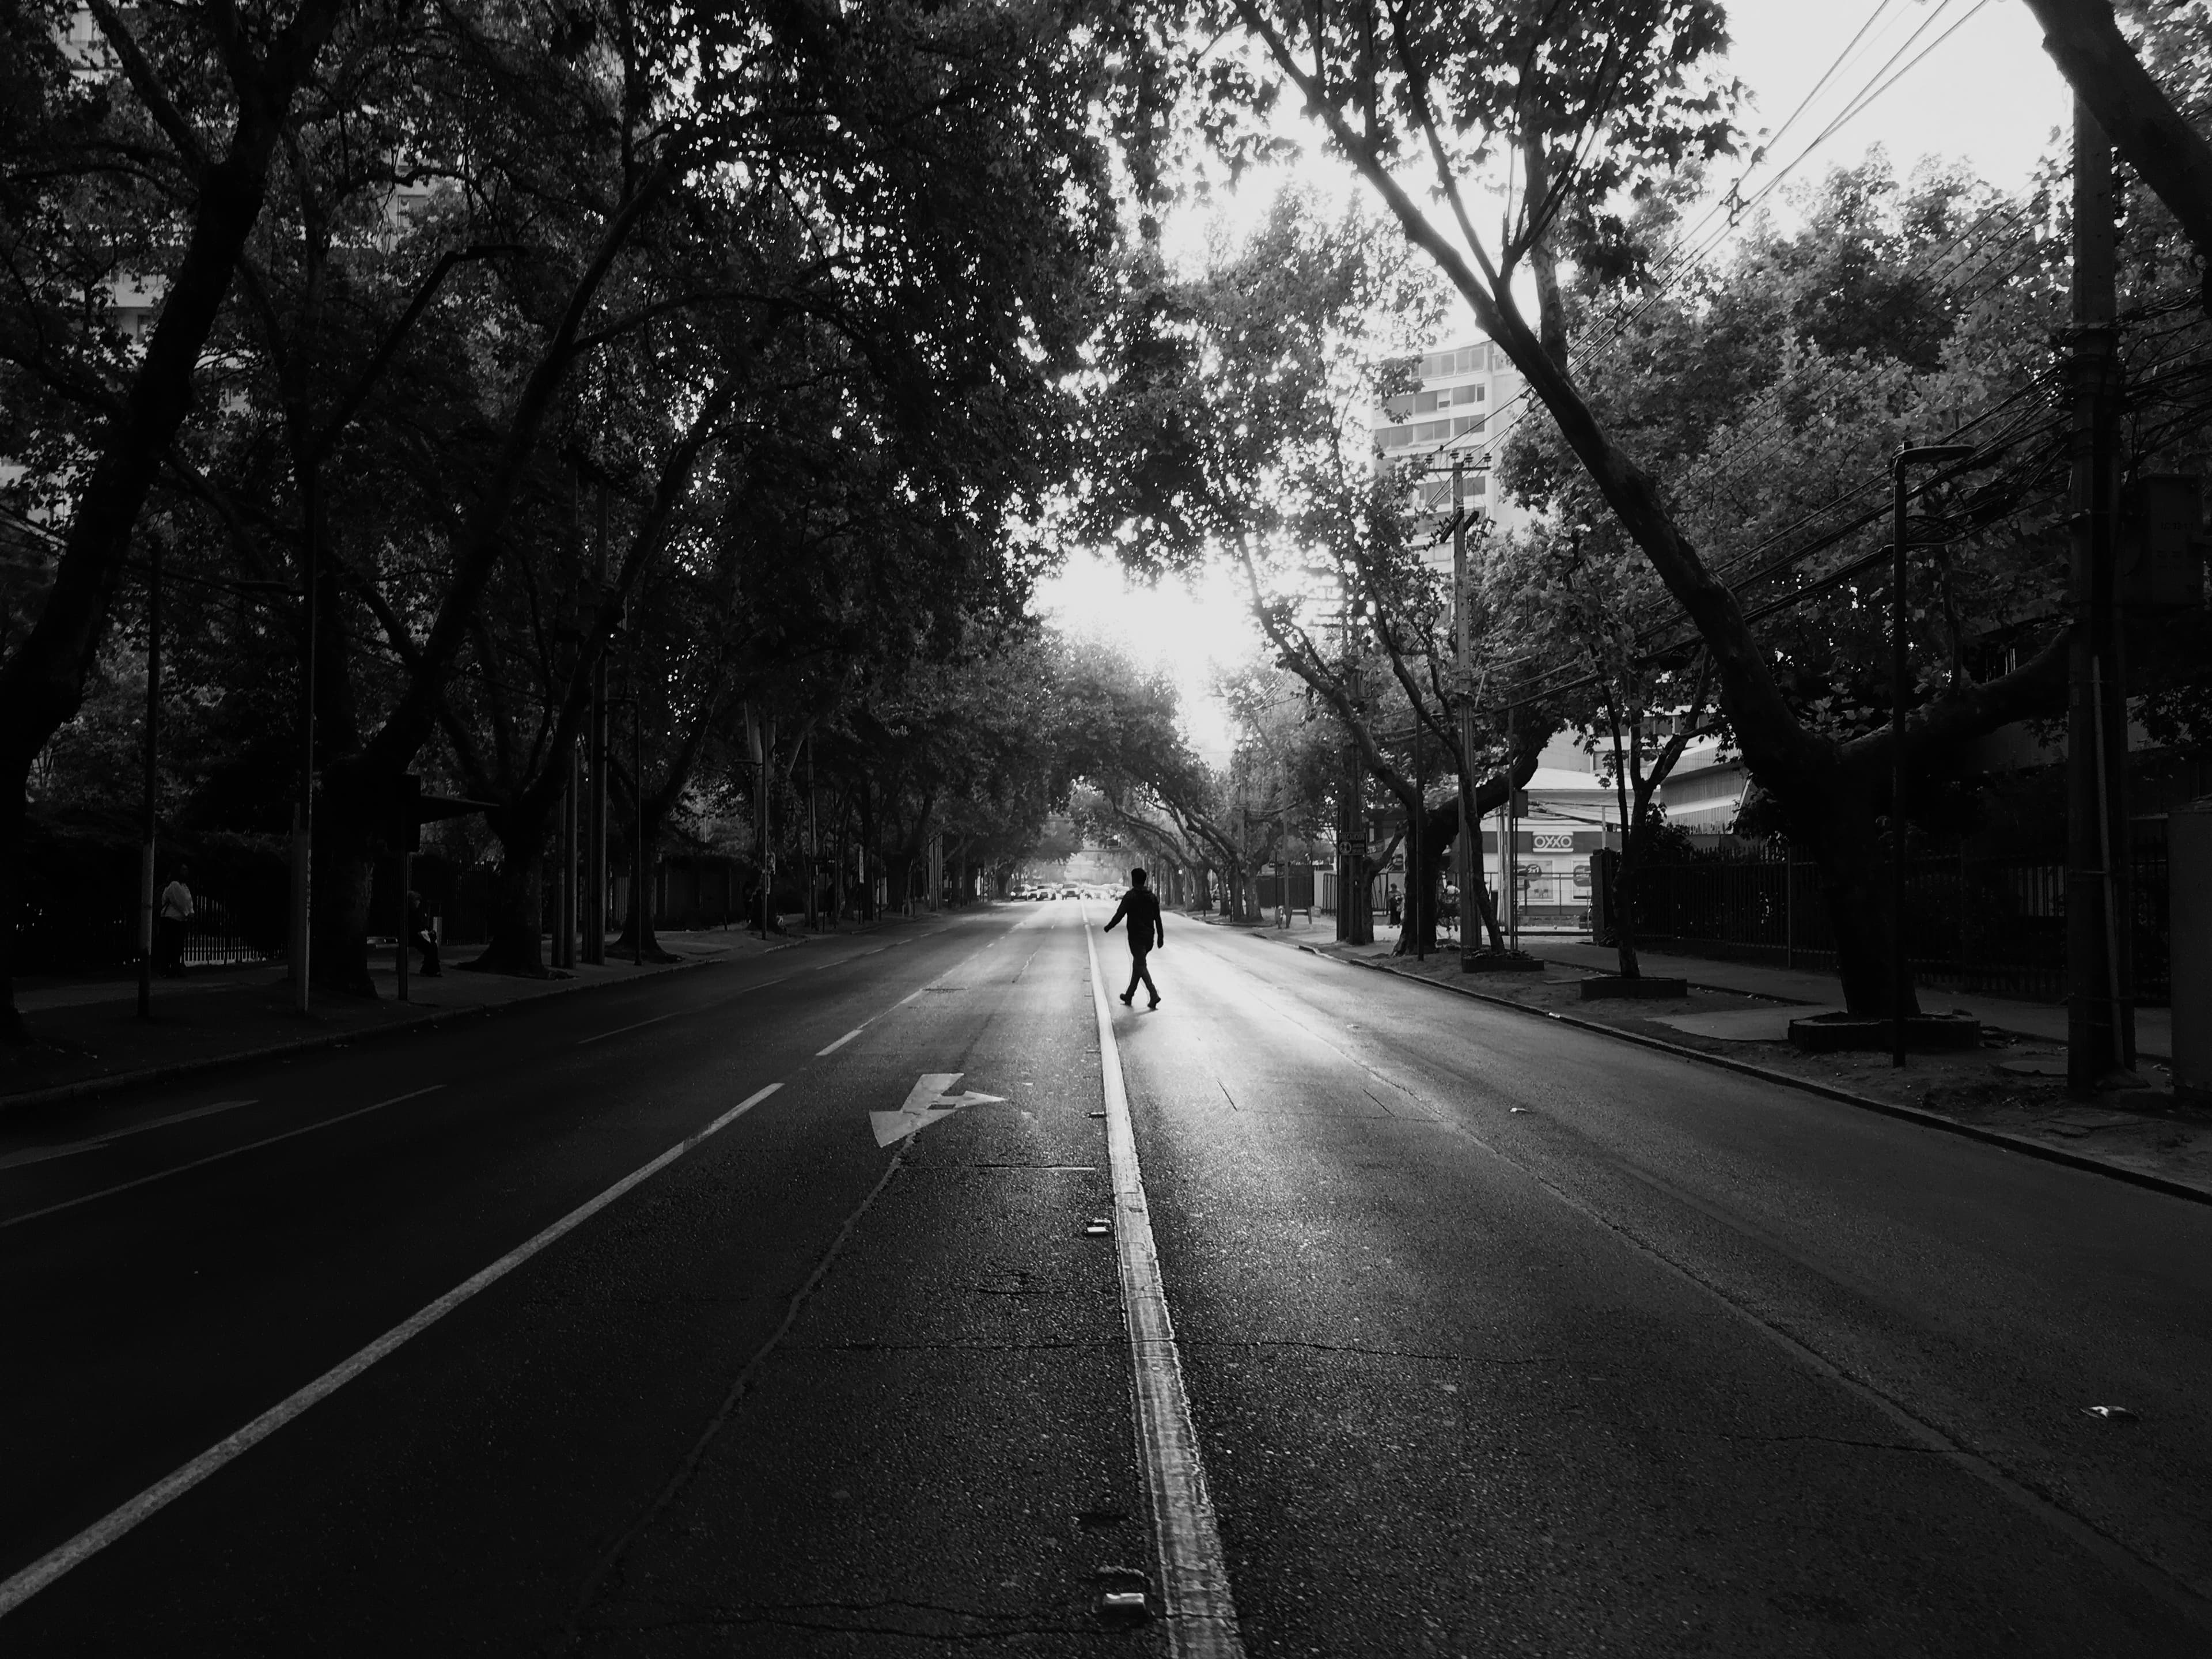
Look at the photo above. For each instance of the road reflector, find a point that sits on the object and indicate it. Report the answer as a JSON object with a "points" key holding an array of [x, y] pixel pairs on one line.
{"points": [[1098, 1227], [2109, 1413], [1123, 1607]]}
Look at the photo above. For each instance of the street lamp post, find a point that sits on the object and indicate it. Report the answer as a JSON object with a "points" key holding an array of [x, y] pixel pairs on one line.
{"points": [[1899, 967]]}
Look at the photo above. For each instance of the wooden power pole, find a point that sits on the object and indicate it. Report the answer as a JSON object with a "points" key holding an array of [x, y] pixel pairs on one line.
{"points": [[2099, 1024]]}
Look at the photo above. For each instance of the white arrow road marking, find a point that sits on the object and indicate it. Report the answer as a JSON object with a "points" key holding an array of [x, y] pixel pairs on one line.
{"points": [[926, 1102]]}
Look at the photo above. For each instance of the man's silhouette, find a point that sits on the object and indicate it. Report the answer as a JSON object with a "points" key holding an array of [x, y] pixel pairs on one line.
{"points": [[1143, 911]]}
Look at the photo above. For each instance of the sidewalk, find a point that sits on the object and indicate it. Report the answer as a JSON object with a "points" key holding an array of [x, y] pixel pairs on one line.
{"points": [[87, 1036], [2044, 1021], [2011, 1090]]}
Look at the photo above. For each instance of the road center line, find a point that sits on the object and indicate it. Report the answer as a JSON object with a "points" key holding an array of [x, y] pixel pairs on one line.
{"points": [[105, 1531], [216, 1158], [1201, 1617], [619, 1030], [47, 1154]]}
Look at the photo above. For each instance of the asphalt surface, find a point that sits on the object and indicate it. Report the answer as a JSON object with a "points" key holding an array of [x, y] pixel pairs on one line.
{"points": [[1499, 1337]]}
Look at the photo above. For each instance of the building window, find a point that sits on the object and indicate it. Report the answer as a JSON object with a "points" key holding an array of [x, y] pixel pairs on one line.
{"points": [[1463, 424]]}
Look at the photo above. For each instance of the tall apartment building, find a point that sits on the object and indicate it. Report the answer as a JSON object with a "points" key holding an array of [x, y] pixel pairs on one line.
{"points": [[1467, 400]]}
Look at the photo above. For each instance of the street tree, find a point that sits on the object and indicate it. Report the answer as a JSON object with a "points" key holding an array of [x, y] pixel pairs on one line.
{"points": [[1242, 437], [1589, 109], [144, 157]]}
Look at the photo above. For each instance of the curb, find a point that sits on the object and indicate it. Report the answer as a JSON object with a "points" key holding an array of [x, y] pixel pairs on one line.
{"points": [[1694, 984], [1826, 1091], [184, 1068]]}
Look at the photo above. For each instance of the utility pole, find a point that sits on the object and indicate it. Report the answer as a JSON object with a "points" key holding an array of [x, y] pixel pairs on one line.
{"points": [[757, 730], [1900, 961], [1508, 894], [813, 844], [1463, 859], [1416, 884], [2100, 1023], [1244, 850], [595, 854], [153, 777], [303, 820], [564, 944], [640, 898]]}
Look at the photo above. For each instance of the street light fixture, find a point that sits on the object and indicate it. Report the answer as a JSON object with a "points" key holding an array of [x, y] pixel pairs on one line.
{"points": [[1921, 455]]}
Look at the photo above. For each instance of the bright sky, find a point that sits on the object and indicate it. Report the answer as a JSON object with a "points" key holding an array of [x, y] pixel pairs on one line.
{"points": [[1975, 87]]}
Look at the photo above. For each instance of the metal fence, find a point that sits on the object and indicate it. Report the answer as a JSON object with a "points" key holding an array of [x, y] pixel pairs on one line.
{"points": [[1994, 924], [54, 938]]}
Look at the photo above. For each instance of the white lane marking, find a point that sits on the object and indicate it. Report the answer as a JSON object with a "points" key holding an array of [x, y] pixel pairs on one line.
{"points": [[109, 1528], [619, 1030], [904, 1000], [1201, 1615], [42, 1154], [216, 1158]]}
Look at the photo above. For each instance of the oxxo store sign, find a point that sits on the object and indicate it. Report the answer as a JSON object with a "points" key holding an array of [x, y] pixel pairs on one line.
{"points": [[1553, 870]]}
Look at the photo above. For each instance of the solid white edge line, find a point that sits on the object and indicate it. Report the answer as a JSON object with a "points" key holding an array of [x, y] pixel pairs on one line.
{"points": [[109, 1528], [1201, 1614], [840, 1043], [217, 1157]]}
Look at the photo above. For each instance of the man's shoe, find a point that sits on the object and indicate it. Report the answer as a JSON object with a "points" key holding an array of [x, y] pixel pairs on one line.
{"points": [[1154, 1003], [1127, 997]]}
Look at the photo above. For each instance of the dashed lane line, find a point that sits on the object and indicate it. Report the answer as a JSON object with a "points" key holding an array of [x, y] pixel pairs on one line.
{"points": [[47, 1154], [840, 1043], [105, 1531], [639, 1026], [216, 1158], [1200, 1614]]}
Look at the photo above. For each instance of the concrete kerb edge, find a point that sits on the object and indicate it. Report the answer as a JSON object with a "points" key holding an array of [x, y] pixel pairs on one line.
{"points": [[1807, 1085], [184, 1068]]}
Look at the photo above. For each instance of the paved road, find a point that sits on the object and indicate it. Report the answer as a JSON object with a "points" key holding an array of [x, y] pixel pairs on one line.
{"points": [[1497, 1337]]}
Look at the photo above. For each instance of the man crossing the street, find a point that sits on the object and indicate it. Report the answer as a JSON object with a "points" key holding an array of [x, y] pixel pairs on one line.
{"points": [[1142, 907]]}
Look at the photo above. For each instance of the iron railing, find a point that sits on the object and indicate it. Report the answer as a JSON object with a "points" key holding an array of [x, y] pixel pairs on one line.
{"points": [[1980, 923]]}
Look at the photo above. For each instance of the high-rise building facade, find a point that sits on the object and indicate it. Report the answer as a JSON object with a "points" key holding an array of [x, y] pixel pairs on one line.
{"points": [[1466, 404]]}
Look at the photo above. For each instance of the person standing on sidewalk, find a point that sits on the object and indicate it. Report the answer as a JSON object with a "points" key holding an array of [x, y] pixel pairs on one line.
{"points": [[176, 914], [419, 936], [1142, 907]]}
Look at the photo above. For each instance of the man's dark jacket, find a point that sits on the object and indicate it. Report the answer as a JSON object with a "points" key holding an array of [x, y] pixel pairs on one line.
{"points": [[1143, 909]]}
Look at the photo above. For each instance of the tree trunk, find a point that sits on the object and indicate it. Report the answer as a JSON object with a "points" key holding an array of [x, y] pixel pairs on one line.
{"points": [[1486, 911], [640, 913], [1623, 907], [518, 898], [344, 879], [2133, 112], [1855, 882]]}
